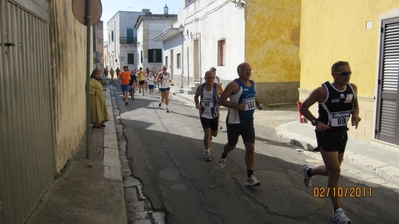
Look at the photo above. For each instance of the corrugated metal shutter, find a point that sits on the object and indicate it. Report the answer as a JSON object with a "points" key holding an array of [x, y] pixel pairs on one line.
{"points": [[388, 85], [27, 163]]}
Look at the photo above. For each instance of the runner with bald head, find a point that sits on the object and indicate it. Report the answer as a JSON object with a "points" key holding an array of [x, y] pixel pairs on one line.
{"points": [[208, 109], [240, 119]]}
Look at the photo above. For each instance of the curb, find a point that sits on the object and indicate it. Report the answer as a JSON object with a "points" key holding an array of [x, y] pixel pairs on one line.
{"points": [[138, 207]]}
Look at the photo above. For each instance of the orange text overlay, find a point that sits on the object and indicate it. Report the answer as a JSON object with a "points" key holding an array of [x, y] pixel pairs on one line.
{"points": [[342, 192]]}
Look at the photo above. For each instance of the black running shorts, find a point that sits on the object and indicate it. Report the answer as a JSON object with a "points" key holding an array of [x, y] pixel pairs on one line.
{"points": [[246, 130], [332, 140], [210, 123]]}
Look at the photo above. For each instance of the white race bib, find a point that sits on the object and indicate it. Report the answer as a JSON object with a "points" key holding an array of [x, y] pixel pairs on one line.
{"points": [[339, 119], [249, 103], [207, 103]]}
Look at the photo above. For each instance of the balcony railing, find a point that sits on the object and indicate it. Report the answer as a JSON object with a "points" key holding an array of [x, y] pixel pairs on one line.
{"points": [[128, 40]]}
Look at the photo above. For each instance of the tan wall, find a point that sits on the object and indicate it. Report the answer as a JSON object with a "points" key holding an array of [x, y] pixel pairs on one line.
{"points": [[68, 69], [272, 48], [336, 30]]}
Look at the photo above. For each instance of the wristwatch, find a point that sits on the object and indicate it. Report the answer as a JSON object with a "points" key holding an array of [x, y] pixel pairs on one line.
{"points": [[314, 122]]}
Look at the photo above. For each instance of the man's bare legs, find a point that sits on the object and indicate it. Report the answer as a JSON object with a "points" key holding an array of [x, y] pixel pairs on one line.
{"points": [[332, 169], [249, 155]]}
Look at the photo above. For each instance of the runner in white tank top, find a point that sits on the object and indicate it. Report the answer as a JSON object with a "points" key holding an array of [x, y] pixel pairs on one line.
{"points": [[164, 79]]}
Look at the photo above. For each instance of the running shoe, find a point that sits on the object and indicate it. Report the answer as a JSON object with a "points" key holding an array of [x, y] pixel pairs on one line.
{"points": [[160, 104], [252, 181], [207, 155], [339, 217], [222, 162], [306, 179]]}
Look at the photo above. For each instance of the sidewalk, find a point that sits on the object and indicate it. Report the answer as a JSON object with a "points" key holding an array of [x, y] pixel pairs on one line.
{"points": [[87, 190], [371, 157], [100, 189]]}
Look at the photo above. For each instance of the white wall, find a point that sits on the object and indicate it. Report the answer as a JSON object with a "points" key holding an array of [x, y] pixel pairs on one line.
{"points": [[119, 24], [173, 44], [212, 21], [150, 28]]}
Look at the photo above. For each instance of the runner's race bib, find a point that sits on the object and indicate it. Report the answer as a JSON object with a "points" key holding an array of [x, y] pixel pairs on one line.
{"points": [[207, 102], [339, 119], [249, 103]]}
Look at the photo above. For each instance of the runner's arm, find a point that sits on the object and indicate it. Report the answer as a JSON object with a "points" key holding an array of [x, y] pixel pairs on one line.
{"points": [[231, 88], [197, 94], [355, 113]]}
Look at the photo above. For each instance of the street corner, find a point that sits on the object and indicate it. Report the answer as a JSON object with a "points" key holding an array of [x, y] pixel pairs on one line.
{"points": [[282, 193]]}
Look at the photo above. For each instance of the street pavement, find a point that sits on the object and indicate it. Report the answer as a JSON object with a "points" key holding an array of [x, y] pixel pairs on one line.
{"points": [[103, 190]]}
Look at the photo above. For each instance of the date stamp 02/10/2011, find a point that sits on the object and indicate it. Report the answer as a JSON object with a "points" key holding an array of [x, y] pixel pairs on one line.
{"points": [[342, 192]]}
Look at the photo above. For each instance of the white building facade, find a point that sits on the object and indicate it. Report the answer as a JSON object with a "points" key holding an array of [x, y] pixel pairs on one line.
{"points": [[148, 27], [172, 39], [212, 34], [122, 40]]}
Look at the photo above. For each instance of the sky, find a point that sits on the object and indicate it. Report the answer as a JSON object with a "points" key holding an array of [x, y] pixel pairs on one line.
{"points": [[111, 7]]}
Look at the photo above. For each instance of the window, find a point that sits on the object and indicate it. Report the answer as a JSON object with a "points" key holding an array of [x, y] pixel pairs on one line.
{"points": [[166, 60], [141, 56], [221, 52], [129, 32], [178, 61], [154, 55], [112, 36], [130, 58]]}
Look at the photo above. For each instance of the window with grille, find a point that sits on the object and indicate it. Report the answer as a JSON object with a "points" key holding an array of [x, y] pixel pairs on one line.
{"points": [[130, 58], [154, 55]]}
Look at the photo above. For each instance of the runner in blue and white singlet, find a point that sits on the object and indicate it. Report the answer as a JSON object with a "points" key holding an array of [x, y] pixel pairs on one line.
{"points": [[245, 95], [209, 102], [239, 120], [208, 109]]}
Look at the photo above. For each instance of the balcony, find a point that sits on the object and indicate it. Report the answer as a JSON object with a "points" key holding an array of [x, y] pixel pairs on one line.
{"points": [[128, 40]]}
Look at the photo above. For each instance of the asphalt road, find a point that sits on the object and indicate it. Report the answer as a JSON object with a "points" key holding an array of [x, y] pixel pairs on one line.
{"points": [[165, 151]]}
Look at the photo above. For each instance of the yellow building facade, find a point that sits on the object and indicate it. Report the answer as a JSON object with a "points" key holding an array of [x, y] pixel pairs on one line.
{"points": [[272, 48], [364, 33]]}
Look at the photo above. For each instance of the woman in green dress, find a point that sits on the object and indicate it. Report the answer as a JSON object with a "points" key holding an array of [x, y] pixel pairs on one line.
{"points": [[98, 109]]}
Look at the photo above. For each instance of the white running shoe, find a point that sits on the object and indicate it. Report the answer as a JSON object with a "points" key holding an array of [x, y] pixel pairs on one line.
{"points": [[339, 217], [207, 156], [222, 162], [252, 181], [306, 179]]}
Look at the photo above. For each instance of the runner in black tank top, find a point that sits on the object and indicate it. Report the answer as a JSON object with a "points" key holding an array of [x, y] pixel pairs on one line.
{"points": [[337, 103]]}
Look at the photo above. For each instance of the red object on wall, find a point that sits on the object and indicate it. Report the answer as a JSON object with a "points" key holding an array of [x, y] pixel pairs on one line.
{"points": [[302, 119]]}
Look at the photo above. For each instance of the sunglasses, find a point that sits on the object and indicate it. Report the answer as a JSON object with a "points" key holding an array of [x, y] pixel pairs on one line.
{"points": [[343, 73]]}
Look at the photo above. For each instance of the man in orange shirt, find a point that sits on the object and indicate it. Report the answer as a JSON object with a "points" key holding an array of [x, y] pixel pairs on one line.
{"points": [[124, 79]]}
